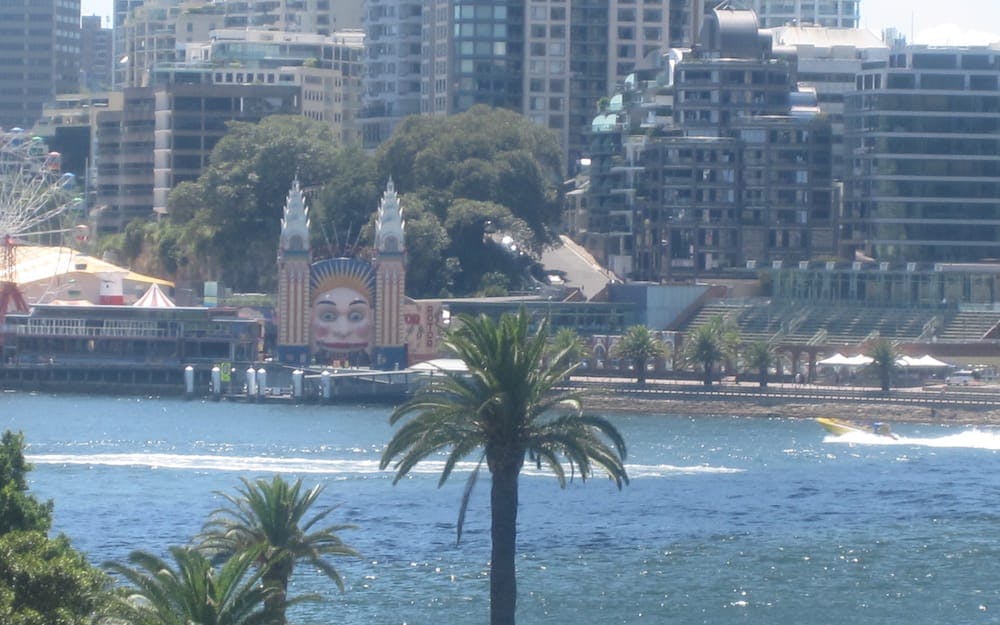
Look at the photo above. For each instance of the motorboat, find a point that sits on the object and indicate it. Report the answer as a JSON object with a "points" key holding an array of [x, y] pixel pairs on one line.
{"points": [[839, 427]]}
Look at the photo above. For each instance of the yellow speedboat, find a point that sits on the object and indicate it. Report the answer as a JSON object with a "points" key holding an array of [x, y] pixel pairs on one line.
{"points": [[840, 427]]}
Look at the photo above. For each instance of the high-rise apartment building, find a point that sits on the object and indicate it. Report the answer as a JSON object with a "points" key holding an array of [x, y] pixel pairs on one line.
{"points": [[39, 56], [96, 53], [551, 60], [147, 31], [711, 160], [393, 32], [923, 135], [829, 13], [245, 75]]}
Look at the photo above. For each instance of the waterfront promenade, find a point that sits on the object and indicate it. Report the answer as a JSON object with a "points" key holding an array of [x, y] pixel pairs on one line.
{"points": [[929, 404]]}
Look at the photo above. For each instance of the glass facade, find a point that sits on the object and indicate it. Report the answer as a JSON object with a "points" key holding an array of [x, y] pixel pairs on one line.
{"points": [[925, 138]]}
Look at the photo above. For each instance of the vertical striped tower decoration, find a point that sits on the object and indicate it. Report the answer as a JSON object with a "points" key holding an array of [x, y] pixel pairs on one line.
{"points": [[293, 280], [390, 281]]}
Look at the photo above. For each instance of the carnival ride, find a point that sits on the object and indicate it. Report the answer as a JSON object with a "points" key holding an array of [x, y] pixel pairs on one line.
{"points": [[34, 198]]}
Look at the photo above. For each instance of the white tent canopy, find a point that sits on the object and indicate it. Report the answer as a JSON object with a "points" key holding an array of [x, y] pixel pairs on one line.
{"points": [[154, 297], [840, 360], [924, 362]]}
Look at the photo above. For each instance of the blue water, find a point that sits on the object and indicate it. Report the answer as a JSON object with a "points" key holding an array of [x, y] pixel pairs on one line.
{"points": [[727, 520]]}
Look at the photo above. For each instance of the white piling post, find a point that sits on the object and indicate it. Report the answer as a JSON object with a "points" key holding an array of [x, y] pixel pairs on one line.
{"points": [[251, 383], [216, 383], [189, 381], [261, 381], [297, 377], [326, 385]]}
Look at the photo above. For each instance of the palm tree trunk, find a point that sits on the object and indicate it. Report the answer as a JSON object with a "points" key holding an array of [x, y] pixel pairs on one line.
{"points": [[503, 580], [277, 577]]}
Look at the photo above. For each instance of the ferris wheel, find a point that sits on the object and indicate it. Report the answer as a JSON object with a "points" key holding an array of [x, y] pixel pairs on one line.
{"points": [[34, 196]]}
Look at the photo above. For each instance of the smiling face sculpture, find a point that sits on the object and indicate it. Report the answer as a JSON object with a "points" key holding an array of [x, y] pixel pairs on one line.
{"points": [[343, 322]]}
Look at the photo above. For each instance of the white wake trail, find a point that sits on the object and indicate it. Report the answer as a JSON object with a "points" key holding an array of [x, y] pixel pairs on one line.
{"points": [[967, 439]]}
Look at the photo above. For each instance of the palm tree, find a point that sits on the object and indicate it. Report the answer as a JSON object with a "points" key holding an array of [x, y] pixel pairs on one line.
{"points": [[269, 519], [568, 348], [884, 356], [504, 405], [193, 592], [760, 356], [710, 344], [638, 345]]}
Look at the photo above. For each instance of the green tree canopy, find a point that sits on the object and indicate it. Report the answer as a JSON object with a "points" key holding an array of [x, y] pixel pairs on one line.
{"points": [[272, 519], [638, 345], [507, 409], [709, 345], [567, 348], [483, 154], [191, 591], [479, 172], [884, 355], [455, 175], [19, 511], [760, 356], [230, 217], [43, 581]]}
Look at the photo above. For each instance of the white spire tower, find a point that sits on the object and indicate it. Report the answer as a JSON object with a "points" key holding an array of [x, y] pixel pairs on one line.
{"points": [[293, 279], [390, 271]]}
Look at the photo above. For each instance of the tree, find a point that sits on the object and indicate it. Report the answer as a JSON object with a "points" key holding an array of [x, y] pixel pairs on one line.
{"points": [[481, 167], [484, 154], [193, 591], [506, 406], [270, 519], [760, 356], [19, 511], [638, 345], [43, 581], [427, 242], [469, 223], [884, 355], [230, 216], [710, 344], [568, 348]]}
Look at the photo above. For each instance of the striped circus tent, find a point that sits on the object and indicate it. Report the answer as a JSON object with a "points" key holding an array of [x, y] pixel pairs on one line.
{"points": [[154, 297]]}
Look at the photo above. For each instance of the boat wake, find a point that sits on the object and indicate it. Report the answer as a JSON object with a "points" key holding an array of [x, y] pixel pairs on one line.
{"points": [[344, 467], [967, 439]]}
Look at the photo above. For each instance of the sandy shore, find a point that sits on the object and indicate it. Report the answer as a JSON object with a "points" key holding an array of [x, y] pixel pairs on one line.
{"points": [[867, 411]]}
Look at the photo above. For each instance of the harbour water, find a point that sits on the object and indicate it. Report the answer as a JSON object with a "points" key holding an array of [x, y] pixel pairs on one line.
{"points": [[727, 520]]}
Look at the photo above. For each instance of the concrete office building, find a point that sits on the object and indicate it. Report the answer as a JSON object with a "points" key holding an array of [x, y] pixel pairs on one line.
{"points": [[39, 57], [124, 161], [96, 54], [923, 132], [827, 60]]}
